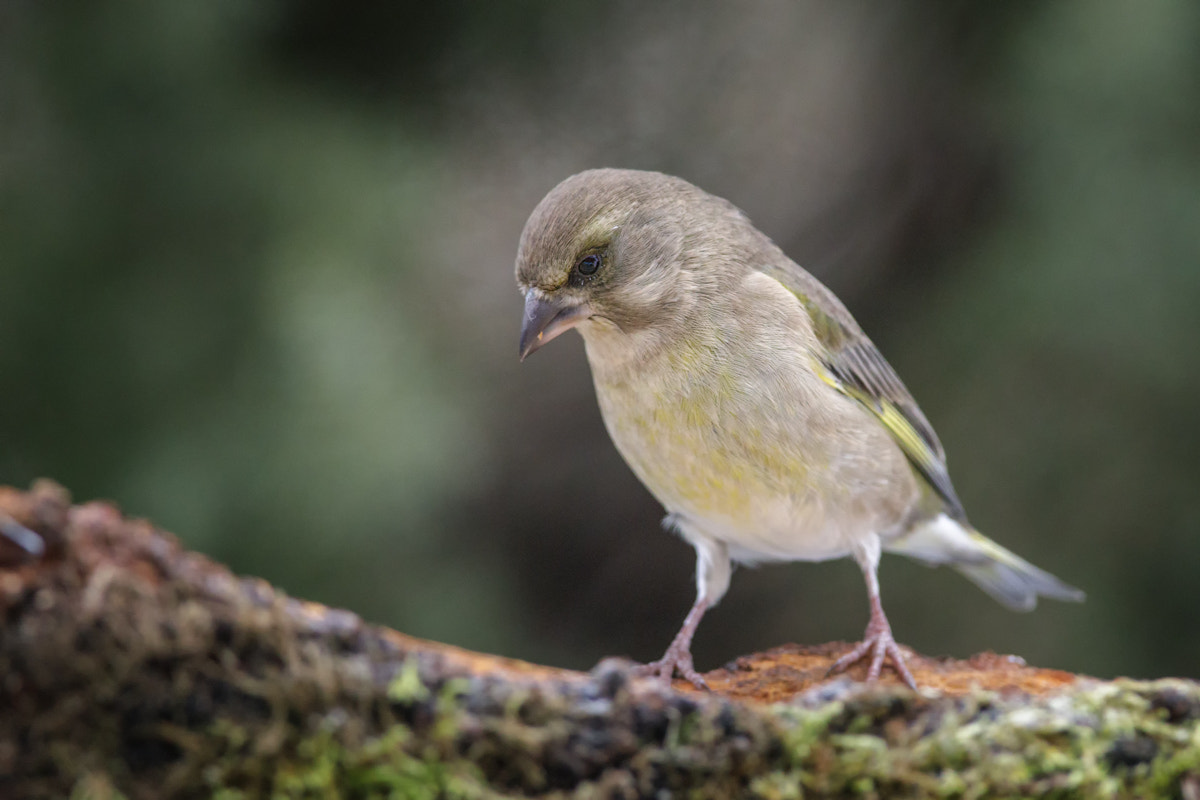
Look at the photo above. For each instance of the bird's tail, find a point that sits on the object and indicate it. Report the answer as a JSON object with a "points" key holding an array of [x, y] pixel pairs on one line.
{"points": [[1007, 577]]}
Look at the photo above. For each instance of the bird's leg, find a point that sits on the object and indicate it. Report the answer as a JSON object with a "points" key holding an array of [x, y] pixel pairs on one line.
{"points": [[713, 569], [877, 641], [678, 657]]}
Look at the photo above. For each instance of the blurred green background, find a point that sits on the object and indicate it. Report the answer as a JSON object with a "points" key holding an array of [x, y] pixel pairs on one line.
{"points": [[256, 284]]}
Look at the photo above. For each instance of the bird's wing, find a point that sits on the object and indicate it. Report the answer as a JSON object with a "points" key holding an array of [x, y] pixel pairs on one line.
{"points": [[854, 366]]}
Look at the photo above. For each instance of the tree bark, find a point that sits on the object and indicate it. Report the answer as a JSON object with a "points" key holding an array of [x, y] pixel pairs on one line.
{"points": [[130, 667]]}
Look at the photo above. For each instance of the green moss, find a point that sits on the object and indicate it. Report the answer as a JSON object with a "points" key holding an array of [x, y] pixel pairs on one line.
{"points": [[805, 729], [1104, 740], [468, 739], [407, 687], [321, 767]]}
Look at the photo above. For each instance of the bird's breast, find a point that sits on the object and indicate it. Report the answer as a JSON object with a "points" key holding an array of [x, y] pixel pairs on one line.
{"points": [[735, 444], [737, 433]]}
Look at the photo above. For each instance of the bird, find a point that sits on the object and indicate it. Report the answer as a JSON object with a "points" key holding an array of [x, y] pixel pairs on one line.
{"points": [[747, 400]]}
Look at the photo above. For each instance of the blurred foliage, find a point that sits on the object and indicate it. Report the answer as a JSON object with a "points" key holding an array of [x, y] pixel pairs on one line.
{"points": [[256, 265]]}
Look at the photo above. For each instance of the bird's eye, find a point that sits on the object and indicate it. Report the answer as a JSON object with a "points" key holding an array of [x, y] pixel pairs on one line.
{"points": [[588, 264]]}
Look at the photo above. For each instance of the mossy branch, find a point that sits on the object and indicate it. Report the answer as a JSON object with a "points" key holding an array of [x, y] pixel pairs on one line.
{"points": [[132, 668]]}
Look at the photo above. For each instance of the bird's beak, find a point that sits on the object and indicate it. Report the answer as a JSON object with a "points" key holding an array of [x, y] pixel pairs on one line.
{"points": [[547, 317]]}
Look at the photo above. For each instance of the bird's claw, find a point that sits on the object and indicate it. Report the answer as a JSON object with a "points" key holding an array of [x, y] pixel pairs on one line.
{"points": [[881, 646], [674, 662]]}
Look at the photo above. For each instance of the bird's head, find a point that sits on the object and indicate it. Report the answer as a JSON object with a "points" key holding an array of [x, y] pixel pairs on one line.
{"points": [[613, 248]]}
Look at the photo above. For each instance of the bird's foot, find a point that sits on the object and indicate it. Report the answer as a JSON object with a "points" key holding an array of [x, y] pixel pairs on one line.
{"points": [[879, 644], [677, 660]]}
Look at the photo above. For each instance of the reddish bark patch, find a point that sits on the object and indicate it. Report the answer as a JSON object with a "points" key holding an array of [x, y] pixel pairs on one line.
{"points": [[782, 673]]}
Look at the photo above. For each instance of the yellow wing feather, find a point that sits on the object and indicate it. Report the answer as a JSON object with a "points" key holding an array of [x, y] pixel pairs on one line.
{"points": [[854, 366]]}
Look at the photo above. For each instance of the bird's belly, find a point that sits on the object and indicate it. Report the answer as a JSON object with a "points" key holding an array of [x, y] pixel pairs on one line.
{"points": [[776, 531], [769, 485]]}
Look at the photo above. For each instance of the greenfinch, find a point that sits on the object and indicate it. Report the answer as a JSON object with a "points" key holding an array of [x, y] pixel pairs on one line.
{"points": [[745, 397]]}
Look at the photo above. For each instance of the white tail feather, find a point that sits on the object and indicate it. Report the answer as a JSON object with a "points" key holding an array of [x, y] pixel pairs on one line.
{"points": [[1007, 577]]}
